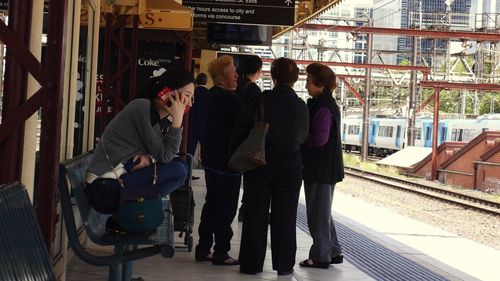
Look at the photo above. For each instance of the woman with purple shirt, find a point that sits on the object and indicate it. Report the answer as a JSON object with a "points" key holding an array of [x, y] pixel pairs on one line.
{"points": [[323, 166]]}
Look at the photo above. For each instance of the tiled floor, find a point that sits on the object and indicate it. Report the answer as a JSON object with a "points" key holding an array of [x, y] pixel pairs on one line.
{"points": [[182, 266], [437, 250]]}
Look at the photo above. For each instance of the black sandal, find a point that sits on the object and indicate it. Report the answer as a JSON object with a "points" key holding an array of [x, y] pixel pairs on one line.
{"points": [[337, 259], [314, 264], [225, 261], [200, 258]]}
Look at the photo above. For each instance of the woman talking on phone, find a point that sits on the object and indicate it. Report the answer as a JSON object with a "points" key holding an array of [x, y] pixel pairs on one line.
{"points": [[147, 130]]}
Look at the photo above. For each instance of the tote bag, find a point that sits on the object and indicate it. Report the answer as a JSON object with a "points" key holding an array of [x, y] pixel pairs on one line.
{"points": [[251, 153]]}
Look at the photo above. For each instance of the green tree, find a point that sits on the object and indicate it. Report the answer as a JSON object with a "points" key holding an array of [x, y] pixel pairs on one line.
{"points": [[489, 101], [405, 62]]}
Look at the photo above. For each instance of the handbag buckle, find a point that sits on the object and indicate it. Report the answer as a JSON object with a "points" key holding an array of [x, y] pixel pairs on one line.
{"points": [[122, 184], [140, 217]]}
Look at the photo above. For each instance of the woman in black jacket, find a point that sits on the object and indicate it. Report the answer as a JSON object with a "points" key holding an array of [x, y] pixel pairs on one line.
{"points": [[280, 180], [323, 166]]}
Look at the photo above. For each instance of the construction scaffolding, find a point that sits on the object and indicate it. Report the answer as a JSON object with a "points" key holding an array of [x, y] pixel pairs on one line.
{"points": [[452, 47]]}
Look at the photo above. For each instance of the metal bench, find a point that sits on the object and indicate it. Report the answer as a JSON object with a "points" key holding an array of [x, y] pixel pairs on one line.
{"points": [[71, 179], [23, 253]]}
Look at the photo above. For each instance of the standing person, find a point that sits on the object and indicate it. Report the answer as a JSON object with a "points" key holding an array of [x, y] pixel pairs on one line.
{"points": [[278, 183], [196, 114], [248, 91], [147, 130], [323, 166], [223, 185]]}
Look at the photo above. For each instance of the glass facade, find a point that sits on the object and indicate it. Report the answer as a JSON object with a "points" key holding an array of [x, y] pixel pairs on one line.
{"points": [[460, 10]]}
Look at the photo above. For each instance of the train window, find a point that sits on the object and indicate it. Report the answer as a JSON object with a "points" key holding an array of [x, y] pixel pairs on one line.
{"points": [[454, 134], [385, 131], [419, 134], [460, 134], [466, 136], [443, 134], [344, 128], [353, 130], [469, 134], [428, 133], [381, 131]]}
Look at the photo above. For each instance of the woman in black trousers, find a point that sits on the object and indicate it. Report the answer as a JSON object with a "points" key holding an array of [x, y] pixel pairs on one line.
{"points": [[278, 183], [323, 166]]}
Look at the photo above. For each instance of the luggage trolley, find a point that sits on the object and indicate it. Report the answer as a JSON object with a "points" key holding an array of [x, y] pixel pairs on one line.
{"points": [[183, 208]]}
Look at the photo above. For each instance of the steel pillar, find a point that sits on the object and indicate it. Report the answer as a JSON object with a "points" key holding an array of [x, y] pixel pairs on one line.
{"points": [[366, 108], [413, 95], [435, 126]]}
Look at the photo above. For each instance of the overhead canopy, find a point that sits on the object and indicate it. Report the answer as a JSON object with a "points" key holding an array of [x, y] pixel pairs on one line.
{"points": [[167, 14], [159, 14], [304, 11]]}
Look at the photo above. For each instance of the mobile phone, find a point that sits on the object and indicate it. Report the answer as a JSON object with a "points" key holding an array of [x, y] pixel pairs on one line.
{"points": [[164, 94], [131, 164]]}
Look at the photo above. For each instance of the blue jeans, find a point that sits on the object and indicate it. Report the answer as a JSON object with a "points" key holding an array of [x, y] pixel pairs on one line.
{"points": [[171, 175]]}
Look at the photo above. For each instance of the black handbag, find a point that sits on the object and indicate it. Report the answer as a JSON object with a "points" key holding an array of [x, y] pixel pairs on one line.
{"points": [[251, 153]]}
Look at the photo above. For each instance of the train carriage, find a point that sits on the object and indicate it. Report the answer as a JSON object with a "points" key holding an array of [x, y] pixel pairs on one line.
{"points": [[388, 135]]}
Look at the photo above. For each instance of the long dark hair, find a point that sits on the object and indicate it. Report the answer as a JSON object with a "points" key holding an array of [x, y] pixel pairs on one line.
{"points": [[173, 79]]}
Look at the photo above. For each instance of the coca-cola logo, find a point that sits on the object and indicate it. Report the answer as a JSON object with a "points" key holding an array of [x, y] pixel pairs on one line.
{"points": [[148, 62]]}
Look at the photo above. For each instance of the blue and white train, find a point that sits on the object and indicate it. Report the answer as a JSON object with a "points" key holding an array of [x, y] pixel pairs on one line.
{"points": [[388, 135]]}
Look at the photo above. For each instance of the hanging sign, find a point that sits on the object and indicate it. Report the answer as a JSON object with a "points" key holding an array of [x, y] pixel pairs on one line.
{"points": [[262, 12]]}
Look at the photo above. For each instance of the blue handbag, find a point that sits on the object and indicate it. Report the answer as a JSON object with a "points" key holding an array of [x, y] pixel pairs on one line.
{"points": [[141, 207]]}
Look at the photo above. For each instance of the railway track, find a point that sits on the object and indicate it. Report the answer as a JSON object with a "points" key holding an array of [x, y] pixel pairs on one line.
{"points": [[448, 196]]}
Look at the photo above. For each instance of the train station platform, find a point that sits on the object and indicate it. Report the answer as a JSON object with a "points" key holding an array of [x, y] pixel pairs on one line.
{"points": [[378, 244], [406, 157]]}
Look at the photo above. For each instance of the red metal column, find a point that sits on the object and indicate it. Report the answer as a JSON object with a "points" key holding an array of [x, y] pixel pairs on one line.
{"points": [[133, 58], [114, 81], [435, 125], [365, 144], [108, 29], [186, 39], [50, 138], [16, 77]]}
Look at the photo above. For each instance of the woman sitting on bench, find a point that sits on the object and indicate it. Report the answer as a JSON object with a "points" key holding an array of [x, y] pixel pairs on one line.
{"points": [[147, 130]]}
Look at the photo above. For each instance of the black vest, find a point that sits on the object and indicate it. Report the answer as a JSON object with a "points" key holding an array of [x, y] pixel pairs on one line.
{"points": [[324, 164]]}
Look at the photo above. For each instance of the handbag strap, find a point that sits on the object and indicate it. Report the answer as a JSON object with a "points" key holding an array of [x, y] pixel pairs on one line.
{"points": [[122, 183]]}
